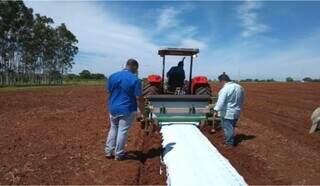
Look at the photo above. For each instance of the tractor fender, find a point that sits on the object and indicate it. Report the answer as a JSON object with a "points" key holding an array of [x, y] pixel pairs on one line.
{"points": [[200, 80], [154, 79]]}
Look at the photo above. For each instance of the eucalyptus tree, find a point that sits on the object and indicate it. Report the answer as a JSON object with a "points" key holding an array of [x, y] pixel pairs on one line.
{"points": [[31, 49]]}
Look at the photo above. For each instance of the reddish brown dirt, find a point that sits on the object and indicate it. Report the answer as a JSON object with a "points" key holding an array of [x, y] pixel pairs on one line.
{"points": [[57, 135], [275, 147]]}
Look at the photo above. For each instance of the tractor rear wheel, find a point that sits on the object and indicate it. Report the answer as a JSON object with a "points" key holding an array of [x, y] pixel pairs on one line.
{"points": [[149, 89], [203, 90]]}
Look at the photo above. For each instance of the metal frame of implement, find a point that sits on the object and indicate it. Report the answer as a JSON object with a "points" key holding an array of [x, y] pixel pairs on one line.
{"points": [[178, 108]]}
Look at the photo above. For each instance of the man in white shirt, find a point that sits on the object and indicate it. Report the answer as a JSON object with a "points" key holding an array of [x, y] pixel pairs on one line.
{"points": [[230, 101]]}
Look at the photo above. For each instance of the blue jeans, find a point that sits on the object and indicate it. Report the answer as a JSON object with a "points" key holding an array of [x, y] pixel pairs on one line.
{"points": [[228, 126], [118, 134]]}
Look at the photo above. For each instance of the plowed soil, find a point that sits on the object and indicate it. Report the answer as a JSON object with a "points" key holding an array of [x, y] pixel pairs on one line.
{"points": [[275, 146], [57, 135]]}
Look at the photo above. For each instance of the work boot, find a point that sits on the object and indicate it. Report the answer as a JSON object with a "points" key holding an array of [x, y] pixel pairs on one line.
{"points": [[109, 156], [120, 158], [228, 146]]}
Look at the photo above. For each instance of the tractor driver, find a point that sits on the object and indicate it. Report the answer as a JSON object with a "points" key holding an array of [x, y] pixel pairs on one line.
{"points": [[176, 77]]}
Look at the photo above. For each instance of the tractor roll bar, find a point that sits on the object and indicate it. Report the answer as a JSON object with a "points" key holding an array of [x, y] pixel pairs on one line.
{"points": [[163, 71], [177, 52], [190, 74]]}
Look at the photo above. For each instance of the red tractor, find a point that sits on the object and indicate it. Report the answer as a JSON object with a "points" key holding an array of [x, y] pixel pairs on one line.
{"points": [[156, 84]]}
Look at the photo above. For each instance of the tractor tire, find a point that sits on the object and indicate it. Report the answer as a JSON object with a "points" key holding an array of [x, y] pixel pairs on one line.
{"points": [[203, 90], [151, 90]]}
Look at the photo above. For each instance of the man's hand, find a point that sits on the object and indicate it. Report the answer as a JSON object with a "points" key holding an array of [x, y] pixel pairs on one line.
{"points": [[140, 101], [140, 116], [215, 113], [141, 120]]}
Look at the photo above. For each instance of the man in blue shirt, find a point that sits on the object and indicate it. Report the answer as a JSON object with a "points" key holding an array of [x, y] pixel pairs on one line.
{"points": [[125, 91], [230, 101]]}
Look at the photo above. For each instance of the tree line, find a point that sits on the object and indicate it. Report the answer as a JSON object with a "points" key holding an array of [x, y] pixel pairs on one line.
{"points": [[257, 80], [306, 79], [32, 50], [84, 75], [288, 79]]}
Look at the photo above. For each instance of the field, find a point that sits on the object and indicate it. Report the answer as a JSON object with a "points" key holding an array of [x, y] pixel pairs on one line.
{"points": [[56, 135]]}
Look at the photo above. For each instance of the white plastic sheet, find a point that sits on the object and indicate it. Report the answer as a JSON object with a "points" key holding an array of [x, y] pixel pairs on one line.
{"points": [[191, 159]]}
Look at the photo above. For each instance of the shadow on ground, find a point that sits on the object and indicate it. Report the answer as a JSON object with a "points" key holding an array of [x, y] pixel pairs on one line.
{"points": [[142, 157], [239, 138]]}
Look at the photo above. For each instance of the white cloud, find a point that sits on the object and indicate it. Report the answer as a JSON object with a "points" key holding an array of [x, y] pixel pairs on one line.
{"points": [[171, 27], [264, 58], [101, 35], [248, 14], [167, 18], [106, 42], [192, 43]]}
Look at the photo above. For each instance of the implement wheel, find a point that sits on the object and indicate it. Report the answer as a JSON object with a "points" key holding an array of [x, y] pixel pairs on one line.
{"points": [[203, 90]]}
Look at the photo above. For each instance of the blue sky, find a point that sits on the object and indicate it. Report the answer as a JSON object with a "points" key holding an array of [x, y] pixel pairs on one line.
{"points": [[246, 39]]}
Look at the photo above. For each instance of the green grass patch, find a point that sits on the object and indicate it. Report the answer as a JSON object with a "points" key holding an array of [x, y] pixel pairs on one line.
{"points": [[39, 87], [26, 87]]}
